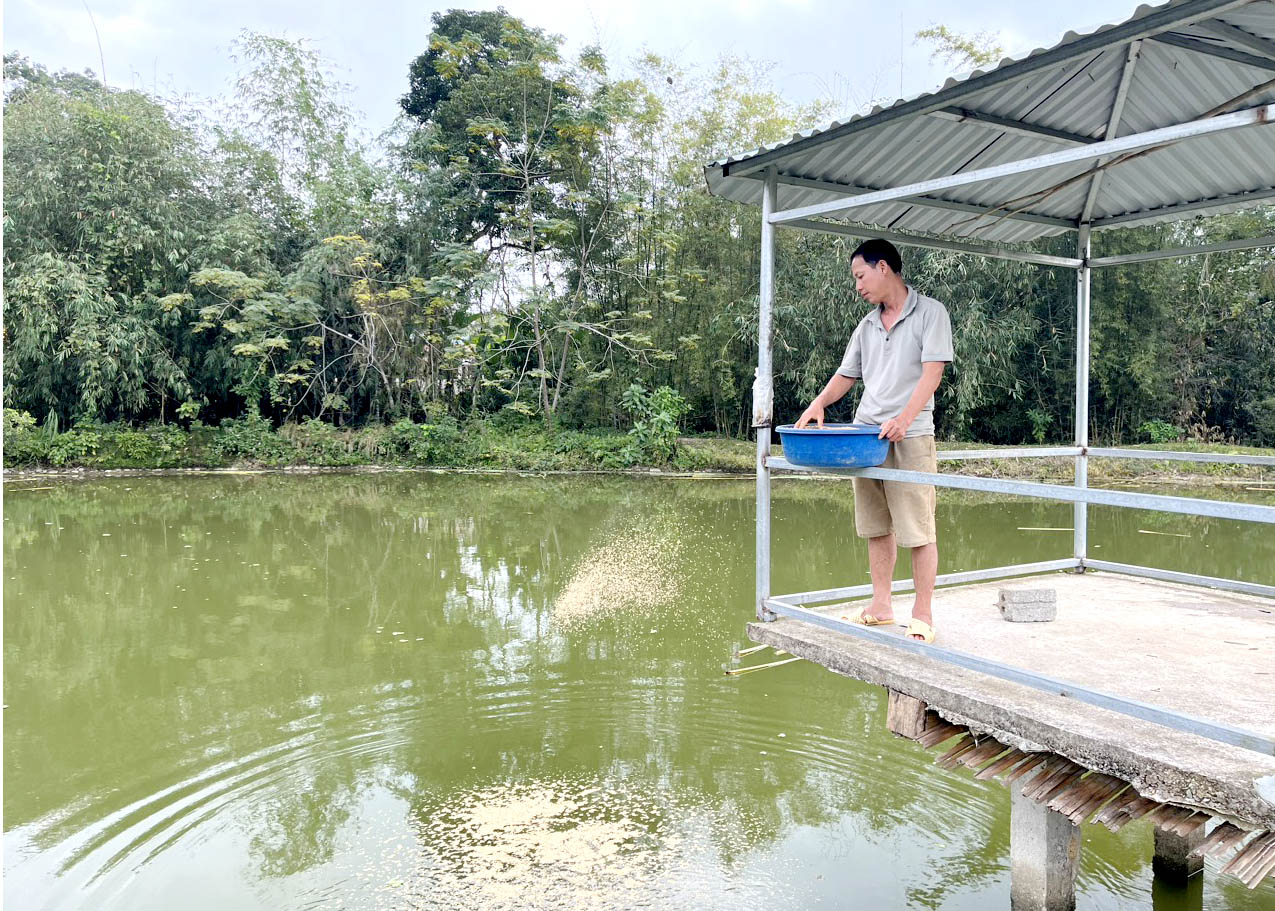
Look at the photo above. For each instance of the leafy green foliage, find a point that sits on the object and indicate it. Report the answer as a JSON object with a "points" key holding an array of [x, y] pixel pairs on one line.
{"points": [[441, 443], [960, 50], [251, 439], [655, 421], [533, 252], [1158, 431]]}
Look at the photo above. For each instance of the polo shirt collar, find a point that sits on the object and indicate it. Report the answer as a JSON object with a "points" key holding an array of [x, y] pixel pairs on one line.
{"points": [[908, 306]]}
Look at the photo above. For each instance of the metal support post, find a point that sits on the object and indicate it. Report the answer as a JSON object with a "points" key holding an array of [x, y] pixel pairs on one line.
{"points": [[1080, 511], [763, 391]]}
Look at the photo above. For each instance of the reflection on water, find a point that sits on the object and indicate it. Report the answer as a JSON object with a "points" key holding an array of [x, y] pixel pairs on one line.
{"points": [[438, 691]]}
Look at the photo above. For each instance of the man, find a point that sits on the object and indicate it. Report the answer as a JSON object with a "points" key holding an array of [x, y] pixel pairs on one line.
{"points": [[899, 350]]}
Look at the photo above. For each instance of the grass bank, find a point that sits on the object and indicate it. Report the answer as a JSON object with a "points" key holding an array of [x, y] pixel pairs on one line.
{"points": [[499, 446]]}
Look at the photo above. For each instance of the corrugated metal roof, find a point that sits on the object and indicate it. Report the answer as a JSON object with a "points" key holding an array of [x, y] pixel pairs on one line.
{"points": [[1070, 87]]}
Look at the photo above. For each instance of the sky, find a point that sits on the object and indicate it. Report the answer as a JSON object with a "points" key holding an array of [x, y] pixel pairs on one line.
{"points": [[850, 53]]}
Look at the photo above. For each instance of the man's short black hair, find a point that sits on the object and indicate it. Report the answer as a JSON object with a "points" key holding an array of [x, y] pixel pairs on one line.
{"points": [[875, 250]]}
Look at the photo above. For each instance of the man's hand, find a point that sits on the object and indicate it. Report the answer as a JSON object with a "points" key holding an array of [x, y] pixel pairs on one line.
{"points": [[893, 430], [813, 413]]}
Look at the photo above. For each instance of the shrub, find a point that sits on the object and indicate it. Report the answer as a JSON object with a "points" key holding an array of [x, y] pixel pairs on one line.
{"points": [[251, 439], [24, 443], [75, 447], [157, 446], [1158, 431], [426, 444], [655, 419], [317, 442], [1262, 412]]}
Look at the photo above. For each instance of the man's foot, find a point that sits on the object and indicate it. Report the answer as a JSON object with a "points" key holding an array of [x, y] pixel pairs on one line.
{"points": [[920, 631], [868, 616]]}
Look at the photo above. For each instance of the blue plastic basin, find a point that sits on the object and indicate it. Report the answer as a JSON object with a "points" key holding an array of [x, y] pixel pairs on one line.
{"points": [[834, 446]]}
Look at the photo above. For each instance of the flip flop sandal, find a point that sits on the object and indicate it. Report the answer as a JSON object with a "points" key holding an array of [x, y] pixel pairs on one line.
{"points": [[858, 616], [922, 629]]}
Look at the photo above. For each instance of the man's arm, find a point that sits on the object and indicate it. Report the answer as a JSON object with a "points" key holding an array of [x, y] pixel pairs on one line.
{"points": [[837, 387], [897, 427]]}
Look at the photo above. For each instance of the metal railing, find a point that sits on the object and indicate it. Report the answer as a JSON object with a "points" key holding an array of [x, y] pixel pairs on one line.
{"points": [[1078, 493]]}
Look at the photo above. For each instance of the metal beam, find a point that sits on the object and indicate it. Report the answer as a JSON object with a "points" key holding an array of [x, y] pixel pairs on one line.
{"points": [[1168, 575], [1223, 51], [1080, 511], [1178, 721], [1134, 142], [1189, 506], [1011, 452], [935, 243], [907, 585], [1008, 125], [1113, 124], [763, 389], [1158, 20], [1238, 200], [845, 189], [1170, 456], [1239, 37], [1244, 243]]}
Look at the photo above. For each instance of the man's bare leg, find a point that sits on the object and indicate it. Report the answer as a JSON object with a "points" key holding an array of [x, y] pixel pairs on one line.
{"points": [[881, 556], [925, 567]]}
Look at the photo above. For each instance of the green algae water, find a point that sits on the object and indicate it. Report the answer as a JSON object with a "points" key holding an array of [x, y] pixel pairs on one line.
{"points": [[435, 691]]}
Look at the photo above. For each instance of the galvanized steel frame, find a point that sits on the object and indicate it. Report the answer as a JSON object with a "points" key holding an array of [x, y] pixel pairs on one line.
{"points": [[1255, 116], [1153, 23], [1080, 494], [780, 607], [1245, 243], [1190, 506]]}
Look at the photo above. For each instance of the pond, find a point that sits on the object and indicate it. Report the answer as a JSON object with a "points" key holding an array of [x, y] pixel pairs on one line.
{"points": [[416, 690]]}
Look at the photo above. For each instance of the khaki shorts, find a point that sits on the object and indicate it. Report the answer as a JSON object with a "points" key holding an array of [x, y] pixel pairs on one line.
{"points": [[906, 510]]}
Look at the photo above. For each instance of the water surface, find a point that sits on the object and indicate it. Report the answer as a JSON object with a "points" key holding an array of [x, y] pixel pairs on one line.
{"points": [[448, 691]]}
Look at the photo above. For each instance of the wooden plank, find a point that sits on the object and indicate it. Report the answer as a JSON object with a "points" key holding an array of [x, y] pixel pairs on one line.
{"points": [[1135, 810], [964, 745], [988, 749], [1261, 868], [1117, 806], [944, 731], [1001, 765], [1042, 785], [1111, 790], [1220, 838], [1251, 857], [906, 715], [1033, 761], [1061, 787]]}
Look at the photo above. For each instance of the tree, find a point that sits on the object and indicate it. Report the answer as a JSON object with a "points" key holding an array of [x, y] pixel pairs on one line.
{"points": [[290, 106], [102, 213], [962, 51]]}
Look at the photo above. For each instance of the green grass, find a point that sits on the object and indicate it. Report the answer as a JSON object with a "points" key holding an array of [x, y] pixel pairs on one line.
{"points": [[251, 442]]}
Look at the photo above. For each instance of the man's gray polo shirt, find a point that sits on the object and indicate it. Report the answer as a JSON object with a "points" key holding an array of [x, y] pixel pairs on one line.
{"points": [[889, 363]]}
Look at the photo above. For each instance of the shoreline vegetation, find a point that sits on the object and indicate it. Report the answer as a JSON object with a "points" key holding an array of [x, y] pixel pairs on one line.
{"points": [[249, 444], [195, 284]]}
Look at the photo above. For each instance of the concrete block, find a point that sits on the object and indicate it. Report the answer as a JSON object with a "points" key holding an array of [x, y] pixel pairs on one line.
{"points": [[1044, 852], [1173, 859], [1028, 595], [1028, 605]]}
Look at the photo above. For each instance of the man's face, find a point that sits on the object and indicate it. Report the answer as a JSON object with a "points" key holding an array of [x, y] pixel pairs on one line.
{"points": [[871, 282]]}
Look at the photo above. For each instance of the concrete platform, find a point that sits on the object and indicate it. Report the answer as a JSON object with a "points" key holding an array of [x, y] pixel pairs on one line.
{"points": [[1204, 653]]}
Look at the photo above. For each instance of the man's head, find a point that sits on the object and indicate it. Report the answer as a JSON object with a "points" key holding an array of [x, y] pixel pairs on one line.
{"points": [[877, 269]]}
